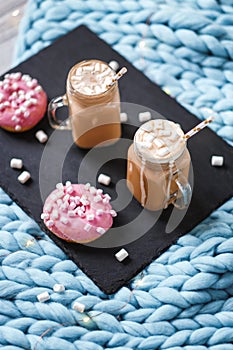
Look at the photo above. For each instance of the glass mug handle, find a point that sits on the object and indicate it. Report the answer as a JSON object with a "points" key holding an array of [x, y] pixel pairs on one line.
{"points": [[184, 193], [54, 104]]}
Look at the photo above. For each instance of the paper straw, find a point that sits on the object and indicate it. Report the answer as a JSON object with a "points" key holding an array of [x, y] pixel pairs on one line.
{"points": [[198, 128], [116, 77]]}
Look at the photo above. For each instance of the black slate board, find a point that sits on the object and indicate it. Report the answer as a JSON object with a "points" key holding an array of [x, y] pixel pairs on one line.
{"points": [[212, 186]]}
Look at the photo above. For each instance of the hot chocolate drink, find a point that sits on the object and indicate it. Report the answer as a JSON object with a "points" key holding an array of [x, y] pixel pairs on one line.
{"points": [[93, 100], [158, 166]]}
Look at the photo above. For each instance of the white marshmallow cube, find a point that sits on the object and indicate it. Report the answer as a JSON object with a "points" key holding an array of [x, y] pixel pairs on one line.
{"points": [[78, 306], [123, 117], [114, 65], [24, 177], [16, 163], [41, 136], [43, 297], [144, 116], [217, 160], [121, 255], [104, 179], [58, 288]]}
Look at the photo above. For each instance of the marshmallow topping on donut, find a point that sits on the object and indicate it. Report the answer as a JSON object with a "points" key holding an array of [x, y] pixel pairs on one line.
{"points": [[77, 212], [23, 102]]}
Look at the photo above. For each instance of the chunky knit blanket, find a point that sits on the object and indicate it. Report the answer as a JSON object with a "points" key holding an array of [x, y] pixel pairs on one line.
{"points": [[184, 299]]}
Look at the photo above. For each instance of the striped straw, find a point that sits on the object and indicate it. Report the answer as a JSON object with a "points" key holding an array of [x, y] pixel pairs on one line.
{"points": [[116, 77], [198, 128]]}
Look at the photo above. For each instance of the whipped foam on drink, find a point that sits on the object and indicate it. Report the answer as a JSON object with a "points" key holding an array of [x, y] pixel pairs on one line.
{"points": [[92, 77], [159, 141]]}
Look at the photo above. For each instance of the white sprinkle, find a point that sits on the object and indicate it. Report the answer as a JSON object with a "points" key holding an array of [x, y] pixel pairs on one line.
{"points": [[149, 137], [78, 306], [58, 288], [100, 230], [107, 196], [59, 194], [48, 207], [164, 132], [92, 190], [64, 206], [97, 67], [33, 101], [50, 223], [68, 183], [16, 163], [104, 179], [26, 114], [66, 198], [98, 89], [87, 90], [59, 186], [6, 76], [114, 65], [17, 112], [105, 200], [17, 75], [217, 160], [80, 213], [123, 117], [121, 255], [90, 217], [113, 213], [15, 86], [64, 220], [99, 191], [44, 216], [55, 214], [26, 77], [24, 177], [72, 205], [43, 297], [71, 213], [97, 198], [14, 104], [41, 136], [38, 88], [84, 200], [6, 104], [158, 143], [163, 151], [87, 186], [144, 116], [59, 202], [69, 189], [99, 212], [87, 227]]}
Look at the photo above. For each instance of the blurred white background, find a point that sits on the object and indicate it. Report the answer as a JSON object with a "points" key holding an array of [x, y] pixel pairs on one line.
{"points": [[11, 12]]}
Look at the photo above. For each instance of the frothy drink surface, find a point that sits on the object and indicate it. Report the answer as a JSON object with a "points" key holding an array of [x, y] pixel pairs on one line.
{"points": [[154, 159], [92, 77], [94, 104]]}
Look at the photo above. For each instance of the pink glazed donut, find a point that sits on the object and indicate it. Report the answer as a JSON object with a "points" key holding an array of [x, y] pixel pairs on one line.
{"points": [[77, 212], [23, 102]]}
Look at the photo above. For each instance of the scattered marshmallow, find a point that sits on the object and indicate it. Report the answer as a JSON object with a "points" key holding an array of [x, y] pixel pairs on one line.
{"points": [[104, 179], [114, 65], [217, 160], [41, 136], [16, 163], [121, 255], [78, 306], [87, 227], [90, 217], [24, 177], [43, 297], [164, 151], [58, 288], [123, 117], [100, 230], [144, 116]]}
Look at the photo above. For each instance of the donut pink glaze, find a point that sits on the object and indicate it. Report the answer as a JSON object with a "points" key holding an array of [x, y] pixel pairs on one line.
{"points": [[78, 213], [23, 102]]}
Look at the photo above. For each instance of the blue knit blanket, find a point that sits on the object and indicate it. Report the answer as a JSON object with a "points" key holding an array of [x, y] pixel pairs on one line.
{"points": [[183, 300]]}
